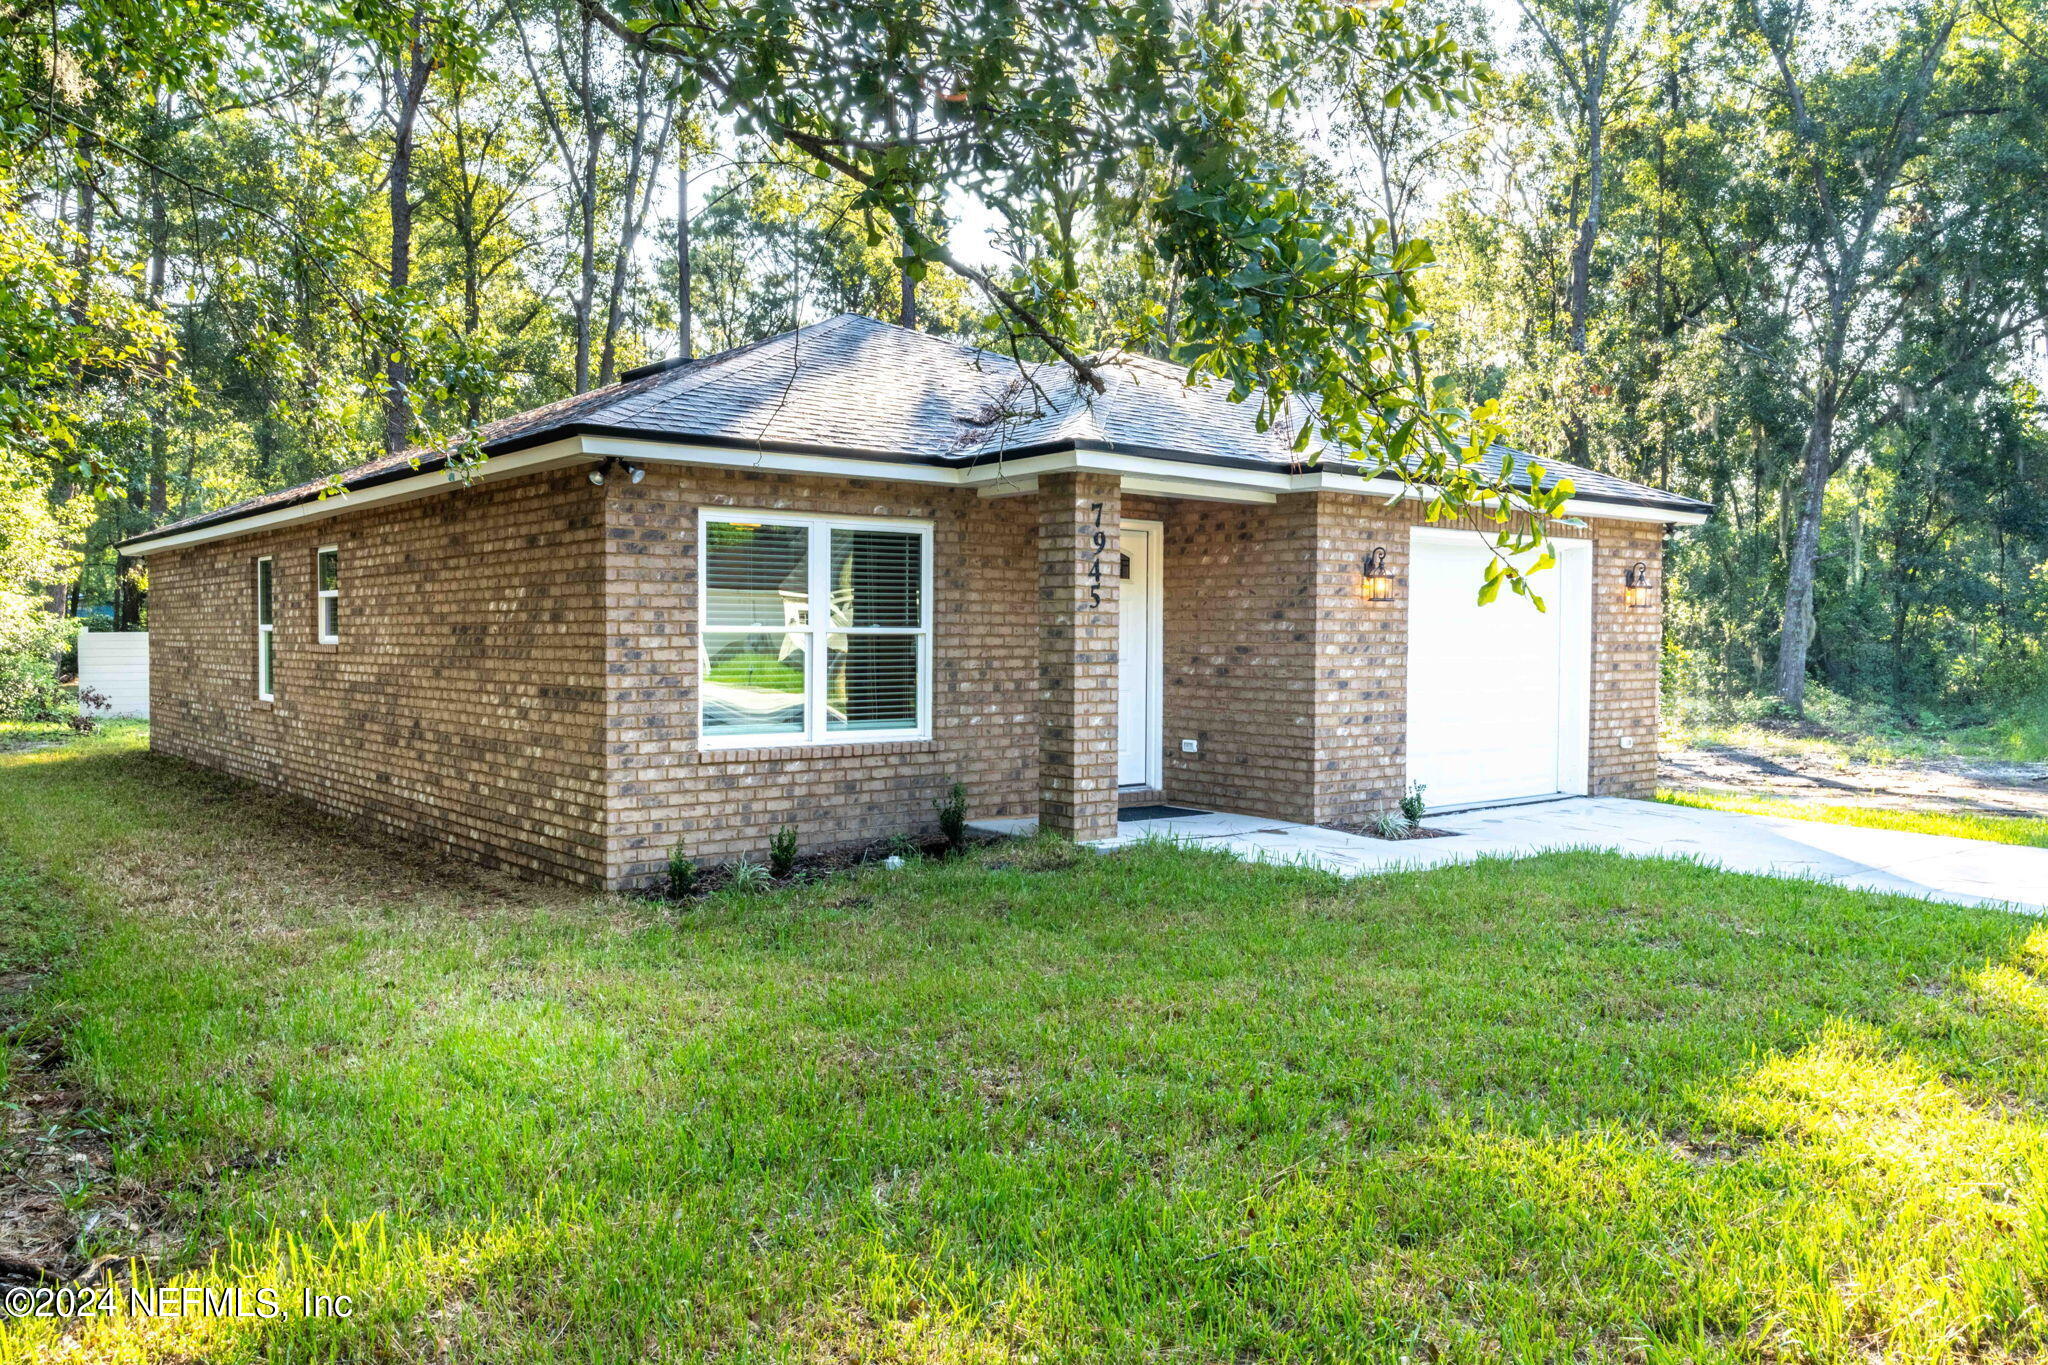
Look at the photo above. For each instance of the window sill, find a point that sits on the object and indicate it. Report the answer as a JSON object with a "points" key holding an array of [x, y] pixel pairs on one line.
{"points": [[325, 646], [838, 749]]}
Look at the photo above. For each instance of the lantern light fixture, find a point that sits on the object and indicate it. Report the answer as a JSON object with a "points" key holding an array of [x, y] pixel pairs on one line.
{"points": [[1635, 584], [1377, 582]]}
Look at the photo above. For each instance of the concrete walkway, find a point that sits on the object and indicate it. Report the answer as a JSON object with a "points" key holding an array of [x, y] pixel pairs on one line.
{"points": [[1931, 866]]}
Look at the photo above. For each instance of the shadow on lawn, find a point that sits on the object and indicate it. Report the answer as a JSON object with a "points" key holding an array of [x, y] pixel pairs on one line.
{"points": [[190, 842], [1873, 1184]]}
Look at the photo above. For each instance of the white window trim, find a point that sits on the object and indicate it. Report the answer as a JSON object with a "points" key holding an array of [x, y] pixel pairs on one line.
{"points": [[266, 631], [322, 595], [820, 587]]}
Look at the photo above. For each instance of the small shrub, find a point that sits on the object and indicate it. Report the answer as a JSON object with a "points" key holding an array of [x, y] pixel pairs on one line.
{"points": [[952, 809], [904, 847], [1412, 807], [782, 852], [682, 874], [1390, 826], [749, 876], [82, 720]]}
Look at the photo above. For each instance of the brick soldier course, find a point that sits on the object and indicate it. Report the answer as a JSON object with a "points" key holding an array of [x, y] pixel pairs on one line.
{"points": [[517, 679]]}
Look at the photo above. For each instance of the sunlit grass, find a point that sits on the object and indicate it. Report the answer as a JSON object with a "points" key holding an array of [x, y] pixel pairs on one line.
{"points": [[1040, 1104], [2000, 829], [349, 1292], [16, 735]]}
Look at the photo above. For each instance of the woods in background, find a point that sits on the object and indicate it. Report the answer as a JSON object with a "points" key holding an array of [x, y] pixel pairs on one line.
{"points": [[1818, 277], [1788, 258]]}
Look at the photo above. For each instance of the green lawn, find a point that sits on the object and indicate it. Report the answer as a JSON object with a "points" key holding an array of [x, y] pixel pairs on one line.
{"points": [[1036, 1105], [2000, 829]]}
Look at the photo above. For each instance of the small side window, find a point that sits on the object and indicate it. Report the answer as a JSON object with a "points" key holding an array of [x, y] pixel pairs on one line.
{"points": [[266, 632], [327, 593]]}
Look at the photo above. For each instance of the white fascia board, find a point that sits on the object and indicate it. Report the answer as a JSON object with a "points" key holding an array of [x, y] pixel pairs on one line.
{"points": [[549, 456], [1196, 490], [1622, 511], [1147, 485], [1142, 474], [1382, 487], [786, 462]]}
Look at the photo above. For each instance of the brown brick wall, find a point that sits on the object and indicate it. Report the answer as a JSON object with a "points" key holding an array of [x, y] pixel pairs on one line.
{"points": [[724, 804], [1238, 649], [464, 705], [517, 678], [1266, 627]]}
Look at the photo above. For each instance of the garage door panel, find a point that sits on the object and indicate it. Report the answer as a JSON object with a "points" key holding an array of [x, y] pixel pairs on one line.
{"points": [[1486, 685]]}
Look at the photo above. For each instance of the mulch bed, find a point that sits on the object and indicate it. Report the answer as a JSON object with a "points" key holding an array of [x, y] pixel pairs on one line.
{"points": [[828, 862], [1425, 832]]}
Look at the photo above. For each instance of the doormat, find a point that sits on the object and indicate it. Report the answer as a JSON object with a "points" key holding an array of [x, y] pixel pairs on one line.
{"points": [[1155, 812]]}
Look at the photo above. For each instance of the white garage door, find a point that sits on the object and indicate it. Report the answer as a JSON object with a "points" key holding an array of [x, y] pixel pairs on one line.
{"points": [[1497, 695]]}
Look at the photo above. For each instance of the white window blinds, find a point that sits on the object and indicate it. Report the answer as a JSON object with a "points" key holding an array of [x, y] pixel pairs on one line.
{"points": [[814, 629]]}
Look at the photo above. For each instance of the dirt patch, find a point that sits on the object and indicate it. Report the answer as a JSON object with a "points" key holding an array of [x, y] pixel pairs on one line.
{"points": [[1949, 785], [66, 1217], [1707, 1149]]}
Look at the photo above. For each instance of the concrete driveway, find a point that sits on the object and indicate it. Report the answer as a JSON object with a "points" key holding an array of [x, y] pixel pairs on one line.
{"points": [[1931, 866]]}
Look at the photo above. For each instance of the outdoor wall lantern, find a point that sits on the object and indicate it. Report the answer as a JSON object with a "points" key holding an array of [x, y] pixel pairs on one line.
{"points": [[1378, 583], [634, 473], [1635, 584]]}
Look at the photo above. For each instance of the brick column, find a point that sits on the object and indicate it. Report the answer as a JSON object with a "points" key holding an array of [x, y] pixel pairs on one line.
{"points": [[1078, 544], [1628, 646], [1360, 705]]}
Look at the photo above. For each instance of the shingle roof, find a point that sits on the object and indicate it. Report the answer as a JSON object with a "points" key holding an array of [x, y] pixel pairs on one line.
{"points": [[853, 386]]}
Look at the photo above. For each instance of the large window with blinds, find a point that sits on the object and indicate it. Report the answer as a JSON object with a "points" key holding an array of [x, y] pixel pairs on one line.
{"points": [[814, 630]]}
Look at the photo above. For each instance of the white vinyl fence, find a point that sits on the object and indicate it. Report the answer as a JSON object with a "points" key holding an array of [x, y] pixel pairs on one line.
{"points": [[116, 665]]}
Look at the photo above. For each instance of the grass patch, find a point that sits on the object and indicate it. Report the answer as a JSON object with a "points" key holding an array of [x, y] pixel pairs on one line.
{"points": [[1997, 829], [1042, 1104], [19, 735], [1852, 732]]}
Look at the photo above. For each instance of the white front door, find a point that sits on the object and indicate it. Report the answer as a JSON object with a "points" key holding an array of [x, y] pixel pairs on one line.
{"points": [[1497, 695], [1139, 736]]}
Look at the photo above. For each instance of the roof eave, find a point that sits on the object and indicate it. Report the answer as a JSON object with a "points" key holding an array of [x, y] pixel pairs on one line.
{"points": [[1684, 510]]}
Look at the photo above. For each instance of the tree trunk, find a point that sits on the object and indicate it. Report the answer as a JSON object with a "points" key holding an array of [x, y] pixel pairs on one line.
{"points": [[906, 308], [1578, 300], [683, 281], [86, 224], [633, 206], [586, 292], [1579, 291], [159, 413], [410, 79], [1795, 628]]}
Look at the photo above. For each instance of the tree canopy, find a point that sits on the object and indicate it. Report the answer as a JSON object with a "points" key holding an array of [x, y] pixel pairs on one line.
{"points": [[1785, 257]]}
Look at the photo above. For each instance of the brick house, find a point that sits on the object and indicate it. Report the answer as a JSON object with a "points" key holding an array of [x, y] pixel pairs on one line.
{"points": [[816, 580]]}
